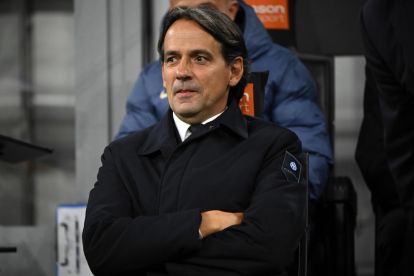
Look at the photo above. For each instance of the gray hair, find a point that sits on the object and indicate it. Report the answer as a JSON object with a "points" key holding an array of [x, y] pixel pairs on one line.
{"points": [[222, 28]]}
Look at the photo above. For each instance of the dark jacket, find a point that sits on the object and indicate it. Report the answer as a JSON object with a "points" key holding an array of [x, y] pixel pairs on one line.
{"points": [[370, 152], [290, 97], [143, 213], [388, 33]]}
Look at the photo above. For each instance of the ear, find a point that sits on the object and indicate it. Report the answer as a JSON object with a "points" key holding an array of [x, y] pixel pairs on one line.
{"points": [[236, 71], [233, 8]]}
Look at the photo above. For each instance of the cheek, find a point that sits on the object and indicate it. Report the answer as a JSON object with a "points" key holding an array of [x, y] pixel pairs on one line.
{"points": [[218, 77], [221, 79], [166, 78]]}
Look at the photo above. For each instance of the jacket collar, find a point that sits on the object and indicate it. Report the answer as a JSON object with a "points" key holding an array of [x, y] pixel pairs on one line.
{"points": [[233, 120], [163, 137]]}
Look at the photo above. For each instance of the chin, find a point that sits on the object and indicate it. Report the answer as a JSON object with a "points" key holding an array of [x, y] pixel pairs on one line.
{"points": [[187, 111], [187, 114]]}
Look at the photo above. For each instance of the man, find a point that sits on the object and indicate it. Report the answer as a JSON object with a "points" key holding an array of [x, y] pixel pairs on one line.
{"points": [[290, 95], [227, 199], [385, 151]]}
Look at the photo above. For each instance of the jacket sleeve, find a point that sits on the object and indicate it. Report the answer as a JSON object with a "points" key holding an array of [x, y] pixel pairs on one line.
{"points": [[292, 103], [140, 112], [265, 241], [117, 241]]}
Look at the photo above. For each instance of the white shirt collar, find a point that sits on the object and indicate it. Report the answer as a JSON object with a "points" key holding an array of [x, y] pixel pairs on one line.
{"points": [[182, 126]]}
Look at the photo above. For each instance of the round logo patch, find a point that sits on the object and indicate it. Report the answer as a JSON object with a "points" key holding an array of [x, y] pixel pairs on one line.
{"points": [[293, 166]]}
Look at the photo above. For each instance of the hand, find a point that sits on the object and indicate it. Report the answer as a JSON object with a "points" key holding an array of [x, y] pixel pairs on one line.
{"points": [[215, 221]]}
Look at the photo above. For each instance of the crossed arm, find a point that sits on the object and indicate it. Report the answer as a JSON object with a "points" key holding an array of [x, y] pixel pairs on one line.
{"points": [[215, 221], [259, 240]]}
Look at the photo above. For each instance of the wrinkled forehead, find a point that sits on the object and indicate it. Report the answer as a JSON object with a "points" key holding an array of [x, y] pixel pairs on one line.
{"points": [[221, 5]]}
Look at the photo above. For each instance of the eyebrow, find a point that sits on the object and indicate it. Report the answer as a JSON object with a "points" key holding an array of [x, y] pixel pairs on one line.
{"points": [[193, 52], [201, 51], [171, 53]]}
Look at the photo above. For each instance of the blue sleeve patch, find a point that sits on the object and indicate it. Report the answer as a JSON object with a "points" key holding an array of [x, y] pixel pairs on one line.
{"points": [[291, 167]]}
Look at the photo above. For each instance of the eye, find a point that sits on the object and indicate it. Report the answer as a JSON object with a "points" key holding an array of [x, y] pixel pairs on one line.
{"points": [[200, 59], [171, 59]]}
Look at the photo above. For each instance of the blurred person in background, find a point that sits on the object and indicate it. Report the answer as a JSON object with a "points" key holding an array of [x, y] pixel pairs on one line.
{"points": [[385, 150]]}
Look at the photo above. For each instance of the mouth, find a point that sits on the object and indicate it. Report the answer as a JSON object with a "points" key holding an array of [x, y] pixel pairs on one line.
{"points": [[185, 92]]}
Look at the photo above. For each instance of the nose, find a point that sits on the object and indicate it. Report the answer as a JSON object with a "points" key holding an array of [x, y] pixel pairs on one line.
{"points": [[183, 70]]}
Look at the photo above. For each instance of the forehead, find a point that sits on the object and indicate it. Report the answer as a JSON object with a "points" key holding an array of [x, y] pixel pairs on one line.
{"points": [[218, 4], [189, 33]]}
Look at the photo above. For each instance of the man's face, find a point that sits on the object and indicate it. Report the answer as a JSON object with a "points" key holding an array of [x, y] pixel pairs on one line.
{"points": [[195, 75], [228, 7]]}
